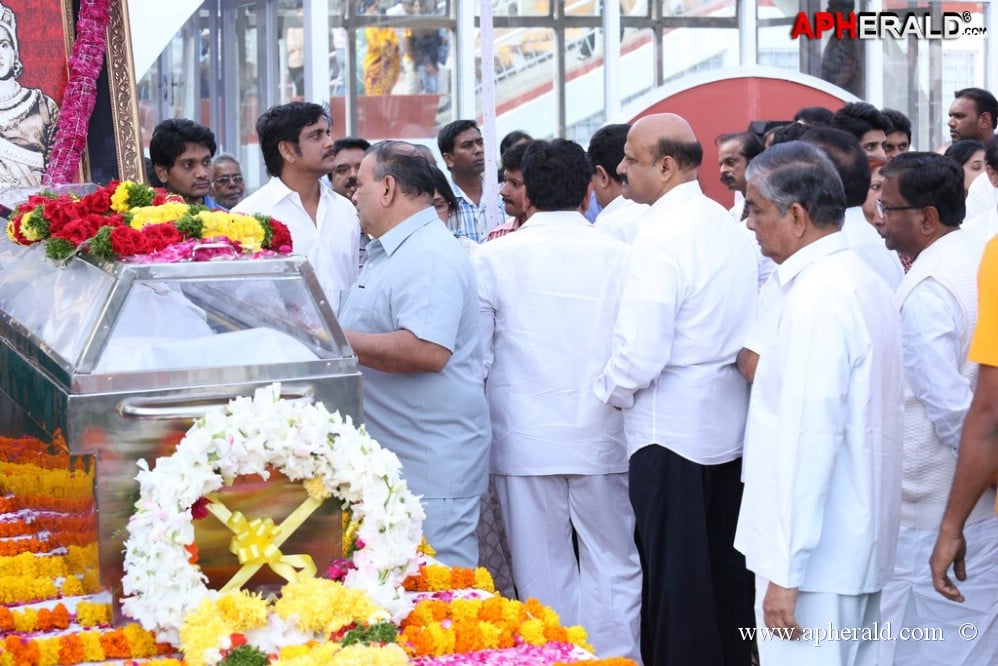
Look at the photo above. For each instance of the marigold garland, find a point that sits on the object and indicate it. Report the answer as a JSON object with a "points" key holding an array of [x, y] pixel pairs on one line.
{"points": [[437, 578]]}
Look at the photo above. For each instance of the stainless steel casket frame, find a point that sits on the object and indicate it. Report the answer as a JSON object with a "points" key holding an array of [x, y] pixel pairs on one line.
{"points": [[124, 415]]}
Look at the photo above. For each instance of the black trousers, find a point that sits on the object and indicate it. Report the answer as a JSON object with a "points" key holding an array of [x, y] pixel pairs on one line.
{"points": [[696, 592]]}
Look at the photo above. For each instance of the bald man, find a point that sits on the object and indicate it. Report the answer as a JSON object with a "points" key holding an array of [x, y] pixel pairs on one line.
{"points": [[689, 298]]}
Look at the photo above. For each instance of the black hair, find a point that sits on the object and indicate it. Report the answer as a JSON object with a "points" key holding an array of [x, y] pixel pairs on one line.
{"points": [[606, 148], [843, 149], [858, 118], [750, 142], [449, 132], [899, 121], [813, 115], [441, 185], [513, 157], [963, 150], [285, 123], [790, 132], [930, 179], [556, 174], [983, 100], [688, 154], [350, 143], [991, 154], [171, 136], [514, 137]]}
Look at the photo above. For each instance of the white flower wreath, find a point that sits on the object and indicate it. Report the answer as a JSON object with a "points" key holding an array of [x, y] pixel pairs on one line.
{"points": [[306, 443]]}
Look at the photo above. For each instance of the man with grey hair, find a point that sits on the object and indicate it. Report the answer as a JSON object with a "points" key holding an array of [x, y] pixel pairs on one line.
{"points": [[820, 512], [412, 319]]}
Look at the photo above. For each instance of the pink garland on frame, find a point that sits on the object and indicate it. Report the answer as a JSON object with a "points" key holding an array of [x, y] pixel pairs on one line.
{"points": [[81, 92]]}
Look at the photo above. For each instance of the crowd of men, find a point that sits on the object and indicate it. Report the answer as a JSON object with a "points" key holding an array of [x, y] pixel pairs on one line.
{"points": [[716, 436]]}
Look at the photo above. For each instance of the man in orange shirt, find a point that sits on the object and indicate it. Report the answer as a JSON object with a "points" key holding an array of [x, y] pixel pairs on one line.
{"points": [[977, 463]]}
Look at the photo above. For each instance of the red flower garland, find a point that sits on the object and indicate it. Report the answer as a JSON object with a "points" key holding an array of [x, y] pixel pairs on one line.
{"points": [[81, 92]]}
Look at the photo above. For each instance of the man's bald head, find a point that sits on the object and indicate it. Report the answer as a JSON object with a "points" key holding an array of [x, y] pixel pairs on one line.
{"points": [[661, 152]]}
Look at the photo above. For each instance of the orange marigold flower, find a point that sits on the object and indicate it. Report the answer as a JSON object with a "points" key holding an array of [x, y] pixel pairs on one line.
{"points": [[115, 645], [70, 650], [467, 636], [6, 620], [60, 617]]}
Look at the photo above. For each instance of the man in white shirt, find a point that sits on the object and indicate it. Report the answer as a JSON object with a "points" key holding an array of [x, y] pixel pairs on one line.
{"points": [[297, 148], [689, 296], [819, 516], [734, 152], [618, 215], [558, 453], [922, 208]]}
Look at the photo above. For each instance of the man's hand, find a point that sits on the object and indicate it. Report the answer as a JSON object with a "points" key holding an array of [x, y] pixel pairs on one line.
{"points": [[778, 609], [950, 549]]}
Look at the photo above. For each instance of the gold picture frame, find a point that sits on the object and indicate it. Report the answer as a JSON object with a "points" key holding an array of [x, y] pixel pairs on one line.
{"points": [[120, 69]]}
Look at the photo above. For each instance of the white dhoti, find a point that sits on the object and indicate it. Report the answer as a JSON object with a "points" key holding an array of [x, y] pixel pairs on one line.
{"points": [[937, 630], [839, 630], [601, 589]]}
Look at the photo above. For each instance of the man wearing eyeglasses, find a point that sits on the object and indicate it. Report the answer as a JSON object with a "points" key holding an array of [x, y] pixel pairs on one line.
{"points": [[921, 210], [227, 184]]}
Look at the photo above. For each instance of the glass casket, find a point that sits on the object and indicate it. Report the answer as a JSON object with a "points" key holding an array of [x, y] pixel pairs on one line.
{"points": [[122, 357]]}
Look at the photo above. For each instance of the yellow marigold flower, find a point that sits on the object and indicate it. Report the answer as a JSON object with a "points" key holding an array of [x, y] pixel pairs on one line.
{"points": [[142, 642], [437, 577], [465, 609], [242, 610], [577, 636], [167, 212], [483, 580], [425, 548], [26, 621], [291, 652], [441, 640], [324, 605], [243, 229], [48, 651], [119, 199], [92, 649], [201, 633], [532, 632], [490, 635], [30, 232], [89, 614]]}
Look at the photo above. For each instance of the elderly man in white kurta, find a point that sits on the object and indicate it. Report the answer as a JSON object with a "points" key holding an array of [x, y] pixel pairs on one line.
{"points": [[548, 296], [922, 208], [819, 515]]}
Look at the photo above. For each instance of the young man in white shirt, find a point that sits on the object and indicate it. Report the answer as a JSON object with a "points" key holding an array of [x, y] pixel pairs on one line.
{"points": [[618, 215], [558, 454], [297, 147], [922, 209], [819, 516], [689, 297]]}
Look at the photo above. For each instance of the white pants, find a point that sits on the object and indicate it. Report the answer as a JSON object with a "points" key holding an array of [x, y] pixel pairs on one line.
{"points": [[816, 612], [601, 589], [451, 529], [910, 603]]}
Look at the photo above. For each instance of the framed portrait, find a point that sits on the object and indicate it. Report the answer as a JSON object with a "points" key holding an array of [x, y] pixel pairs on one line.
{"points": [[36, 38]]}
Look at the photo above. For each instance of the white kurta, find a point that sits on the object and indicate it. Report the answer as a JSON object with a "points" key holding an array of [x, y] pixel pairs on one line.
{"points": [[548, 296], [982, 196], [331, 243], [620, 218], [822, 461], [689, 298]]}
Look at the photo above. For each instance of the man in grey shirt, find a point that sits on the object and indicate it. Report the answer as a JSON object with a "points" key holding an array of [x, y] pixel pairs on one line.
{"points": [[412, 319]]}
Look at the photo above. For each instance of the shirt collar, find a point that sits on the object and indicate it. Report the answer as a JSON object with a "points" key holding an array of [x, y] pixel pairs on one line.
{"points": [[555, 217], [680, 194], [281, 191], [459, 193], [618, 202], [807, 255], [392, 239]]}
